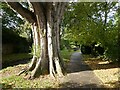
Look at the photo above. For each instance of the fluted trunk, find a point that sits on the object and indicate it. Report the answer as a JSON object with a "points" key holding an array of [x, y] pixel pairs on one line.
{"points": [[45, 20]]}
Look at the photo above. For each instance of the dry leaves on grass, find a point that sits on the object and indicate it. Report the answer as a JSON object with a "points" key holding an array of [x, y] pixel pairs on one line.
{"points": [[109, 73], [6, 72]]}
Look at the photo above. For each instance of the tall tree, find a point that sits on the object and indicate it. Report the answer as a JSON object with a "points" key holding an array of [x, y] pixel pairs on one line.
{"points": [[94, 22], [45, 18]]}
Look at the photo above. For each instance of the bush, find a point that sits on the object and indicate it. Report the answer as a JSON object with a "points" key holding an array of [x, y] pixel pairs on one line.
{"points": [[10, 37]]}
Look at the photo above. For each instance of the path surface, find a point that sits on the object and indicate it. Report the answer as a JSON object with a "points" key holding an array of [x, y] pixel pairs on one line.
{"points": [[80, 75]]}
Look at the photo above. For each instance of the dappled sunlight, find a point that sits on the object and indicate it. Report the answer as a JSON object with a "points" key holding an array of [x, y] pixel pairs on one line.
{"points": [[104, 62], [108, 76], [60, 45], [100, 64], [106, 71], [6, 72], [10, 80]]}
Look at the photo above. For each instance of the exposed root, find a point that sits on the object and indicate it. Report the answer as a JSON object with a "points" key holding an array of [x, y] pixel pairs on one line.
{"points": [[52, 74], [33, 63], [51, 69], [36, 68], [34, 72], [21, 72], [58, 67], [31, 67]]}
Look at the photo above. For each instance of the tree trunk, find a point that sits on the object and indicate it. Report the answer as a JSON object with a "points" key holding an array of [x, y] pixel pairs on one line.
{"points": [[46, 37]]}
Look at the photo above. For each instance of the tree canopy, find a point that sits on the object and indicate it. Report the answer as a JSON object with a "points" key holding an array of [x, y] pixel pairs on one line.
{"points": [[93, 22]]}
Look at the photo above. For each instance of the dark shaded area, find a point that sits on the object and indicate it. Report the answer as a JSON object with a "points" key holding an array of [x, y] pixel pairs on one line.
{"points": [[19, 44], [77, 67], [99, 50], [76, 85], [92, 49], [105, 66], [15, 63], [77, 64], [86, 49], [5, 86]]}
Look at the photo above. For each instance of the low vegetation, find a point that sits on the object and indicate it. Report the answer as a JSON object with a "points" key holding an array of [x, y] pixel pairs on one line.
{"points": [[66, 55], [107, 72], [9, 78], [15, 57], [19, 82]]}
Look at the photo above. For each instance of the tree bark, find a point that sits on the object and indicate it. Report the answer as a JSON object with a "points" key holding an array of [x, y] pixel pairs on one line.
{"points": [[54, 16], [42, 64], [30, 16], [46, 37]]}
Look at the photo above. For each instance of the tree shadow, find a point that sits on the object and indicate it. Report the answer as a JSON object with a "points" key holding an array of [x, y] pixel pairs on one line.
{"points": [[76, 85], [73, 67], [5, 86], [81, 65], [103, 65]]}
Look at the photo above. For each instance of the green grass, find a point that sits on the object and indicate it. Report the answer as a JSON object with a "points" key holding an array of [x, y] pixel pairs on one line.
{"points": [[10, 80], [66, 53], [19, 82], [15, 57], [13, 81]]}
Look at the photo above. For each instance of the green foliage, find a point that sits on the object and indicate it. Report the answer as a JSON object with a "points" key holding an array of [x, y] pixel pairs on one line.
{"points": [[25, 30], [66, 53], [65, 44], [10, 19], [37, 52], [19, 82], [89, 22], [12, 27]]}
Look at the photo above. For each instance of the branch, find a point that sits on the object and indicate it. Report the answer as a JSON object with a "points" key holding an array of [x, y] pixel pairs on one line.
{"points": [[60, 9], [30, 16], [40, 12]]}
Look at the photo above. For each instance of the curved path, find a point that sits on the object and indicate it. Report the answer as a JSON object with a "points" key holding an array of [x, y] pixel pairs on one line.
{"points": [[80, 75]]}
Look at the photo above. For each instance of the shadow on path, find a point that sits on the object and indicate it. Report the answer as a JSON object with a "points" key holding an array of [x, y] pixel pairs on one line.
{"points": [[76, 85], [77, 64], [80, 75]]}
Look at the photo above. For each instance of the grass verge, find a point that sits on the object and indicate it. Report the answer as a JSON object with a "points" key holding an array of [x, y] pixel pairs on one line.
{"points": [[106, 71], [10, 80], [15, 57]]}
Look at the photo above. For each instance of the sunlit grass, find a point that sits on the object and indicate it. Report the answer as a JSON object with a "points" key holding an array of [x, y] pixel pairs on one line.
{"points": [[13, 81], [19, 82], [107, 72], [9, 79]]}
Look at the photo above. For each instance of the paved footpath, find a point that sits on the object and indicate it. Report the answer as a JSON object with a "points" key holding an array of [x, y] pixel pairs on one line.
{"points": [[80, 75]]}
